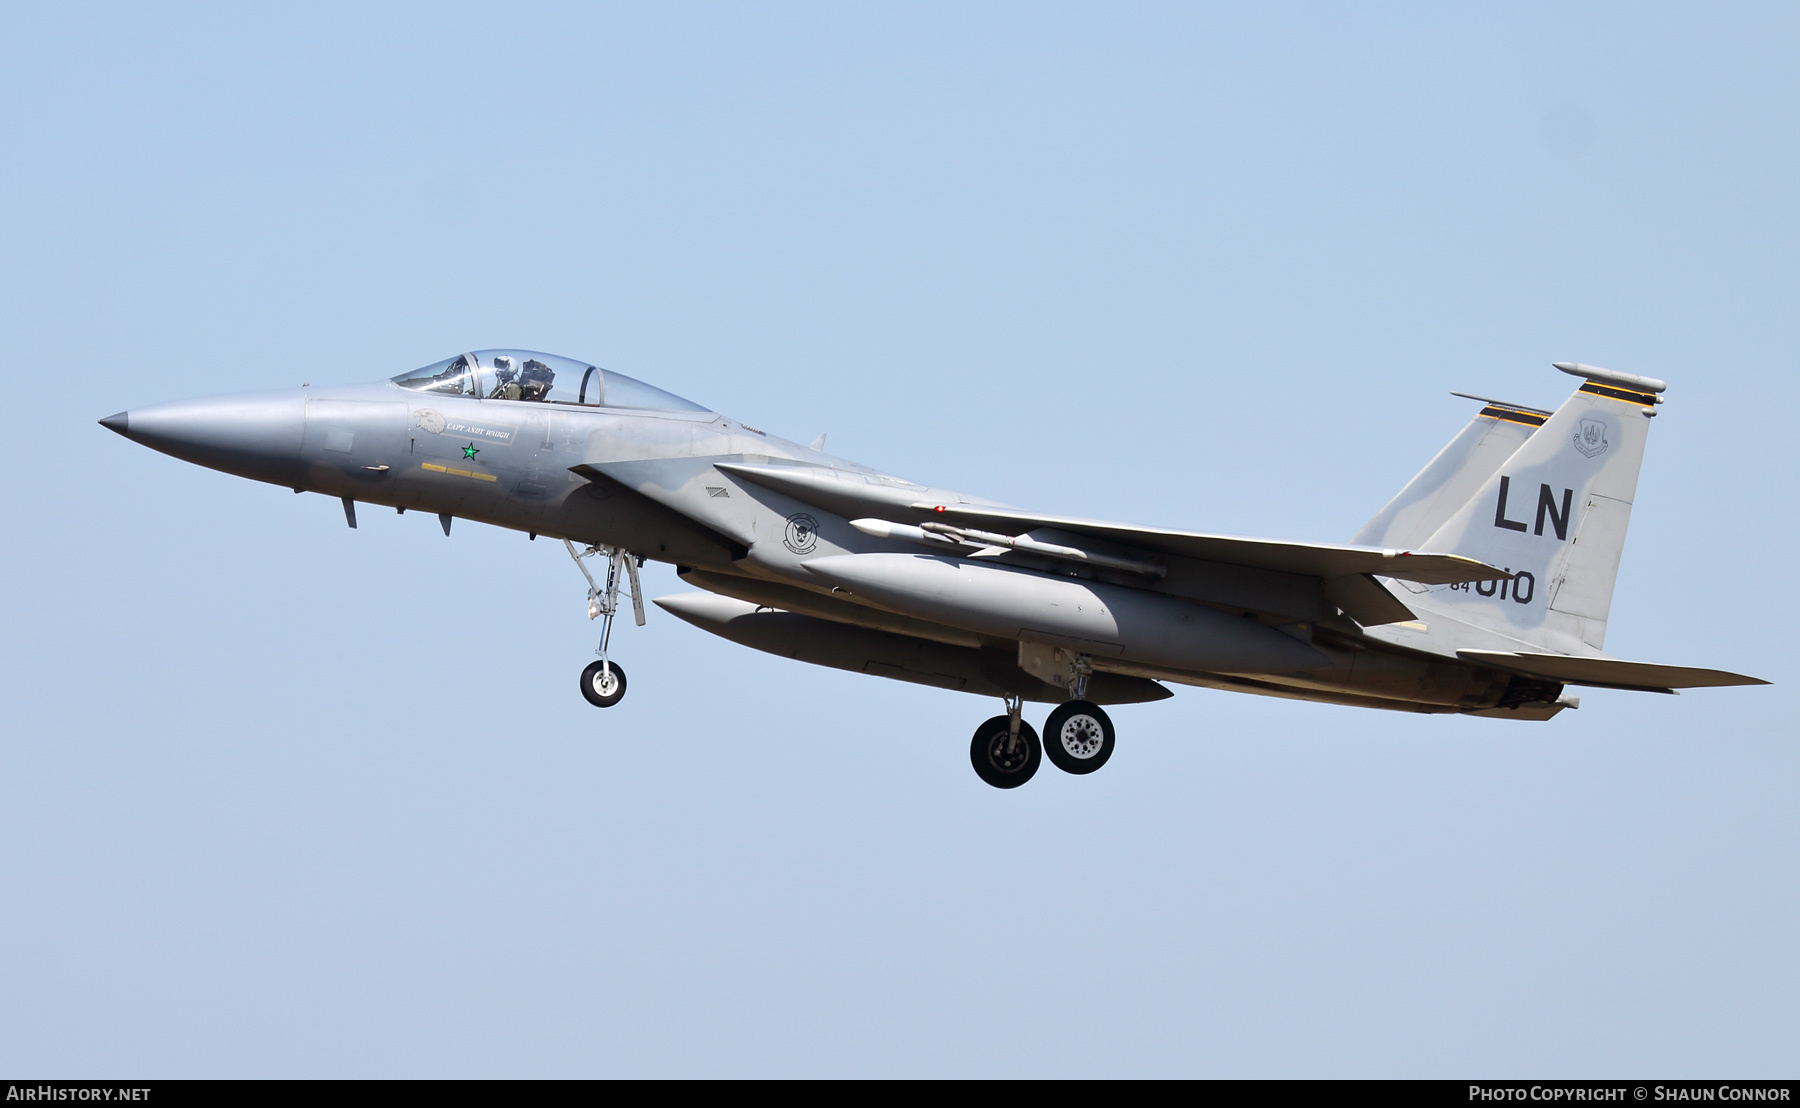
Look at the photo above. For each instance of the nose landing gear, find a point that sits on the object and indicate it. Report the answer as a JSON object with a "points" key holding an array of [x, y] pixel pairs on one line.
{"points": [[603, 682]]}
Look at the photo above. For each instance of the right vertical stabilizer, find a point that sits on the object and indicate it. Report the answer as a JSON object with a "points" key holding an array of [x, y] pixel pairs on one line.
{"points": [[1450, 479]]}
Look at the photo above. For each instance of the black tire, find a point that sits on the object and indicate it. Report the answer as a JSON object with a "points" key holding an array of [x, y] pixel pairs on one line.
{"points": [[1078, 737], [597, 691], [996, 765]]}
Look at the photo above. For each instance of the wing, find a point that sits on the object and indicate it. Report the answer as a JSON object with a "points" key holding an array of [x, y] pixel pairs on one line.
{"points": [[853, 495], [1347, 573], [1323, 560]]}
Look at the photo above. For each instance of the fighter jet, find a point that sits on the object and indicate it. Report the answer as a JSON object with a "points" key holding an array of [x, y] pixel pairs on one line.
{"points": [[1481, 589]]}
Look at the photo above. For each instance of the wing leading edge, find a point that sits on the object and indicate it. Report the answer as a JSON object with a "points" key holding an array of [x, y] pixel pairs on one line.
{"points": [[1323, 560]]}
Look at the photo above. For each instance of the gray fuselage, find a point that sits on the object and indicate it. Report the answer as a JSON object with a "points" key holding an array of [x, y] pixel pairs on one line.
{"points": [[744, 514]]}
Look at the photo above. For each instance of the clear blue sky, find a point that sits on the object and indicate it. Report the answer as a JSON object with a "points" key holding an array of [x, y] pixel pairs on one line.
{"points": [[280, 798]]}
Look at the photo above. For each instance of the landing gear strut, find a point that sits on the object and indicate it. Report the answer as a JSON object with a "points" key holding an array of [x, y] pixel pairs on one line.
{"points": [[603, 682], [1005, 750]]}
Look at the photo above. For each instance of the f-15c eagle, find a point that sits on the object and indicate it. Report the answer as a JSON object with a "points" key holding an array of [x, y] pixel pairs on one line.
{"points": [[1482, 588]]}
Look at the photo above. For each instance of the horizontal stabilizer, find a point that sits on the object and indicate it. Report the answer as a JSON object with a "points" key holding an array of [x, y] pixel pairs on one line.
{"points": [[1607, 671], [1364, 600], [1324, 560]]}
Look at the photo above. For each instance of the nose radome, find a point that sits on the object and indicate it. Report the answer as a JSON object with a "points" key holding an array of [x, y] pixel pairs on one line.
{"points": [[255, 435]]}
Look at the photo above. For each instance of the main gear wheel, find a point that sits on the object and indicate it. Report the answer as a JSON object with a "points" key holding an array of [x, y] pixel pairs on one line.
{"points": [[1078, 737]]}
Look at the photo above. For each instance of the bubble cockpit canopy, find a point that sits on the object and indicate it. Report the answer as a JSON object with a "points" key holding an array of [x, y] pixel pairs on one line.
{"points": [[545, 378]]}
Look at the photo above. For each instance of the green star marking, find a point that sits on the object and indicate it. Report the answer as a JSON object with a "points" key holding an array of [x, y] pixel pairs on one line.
{"points": [[469, 451]]}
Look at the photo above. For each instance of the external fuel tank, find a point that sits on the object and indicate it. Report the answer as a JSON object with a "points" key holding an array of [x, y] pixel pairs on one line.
{"points": [[1102, 620]]}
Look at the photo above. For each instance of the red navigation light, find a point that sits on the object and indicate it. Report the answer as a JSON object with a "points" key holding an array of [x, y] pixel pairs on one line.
{"points": [[940, 508]]}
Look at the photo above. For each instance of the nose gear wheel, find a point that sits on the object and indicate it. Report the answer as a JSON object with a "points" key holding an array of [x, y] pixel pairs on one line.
{"points": [[603, 682]]}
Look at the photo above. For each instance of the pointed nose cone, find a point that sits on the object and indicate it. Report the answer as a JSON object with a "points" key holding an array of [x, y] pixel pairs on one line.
{"points": [[254, 435]]}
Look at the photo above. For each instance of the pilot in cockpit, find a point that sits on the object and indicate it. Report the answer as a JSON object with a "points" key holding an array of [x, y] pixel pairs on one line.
{"points": [[507, 387], [535, 379]]}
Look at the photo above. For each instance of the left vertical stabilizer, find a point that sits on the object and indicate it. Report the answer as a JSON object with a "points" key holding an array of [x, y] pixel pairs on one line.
{"points": [[1555, 515]]}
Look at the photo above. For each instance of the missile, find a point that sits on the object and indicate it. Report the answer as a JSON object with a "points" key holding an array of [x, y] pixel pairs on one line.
{"points": [[862, 650], [1089, 617], [905, 532], [942, 534]]}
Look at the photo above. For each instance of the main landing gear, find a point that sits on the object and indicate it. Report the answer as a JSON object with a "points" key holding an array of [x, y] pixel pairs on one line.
{"points": [[1006, 752], [603, 682], [1078, 739]]}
